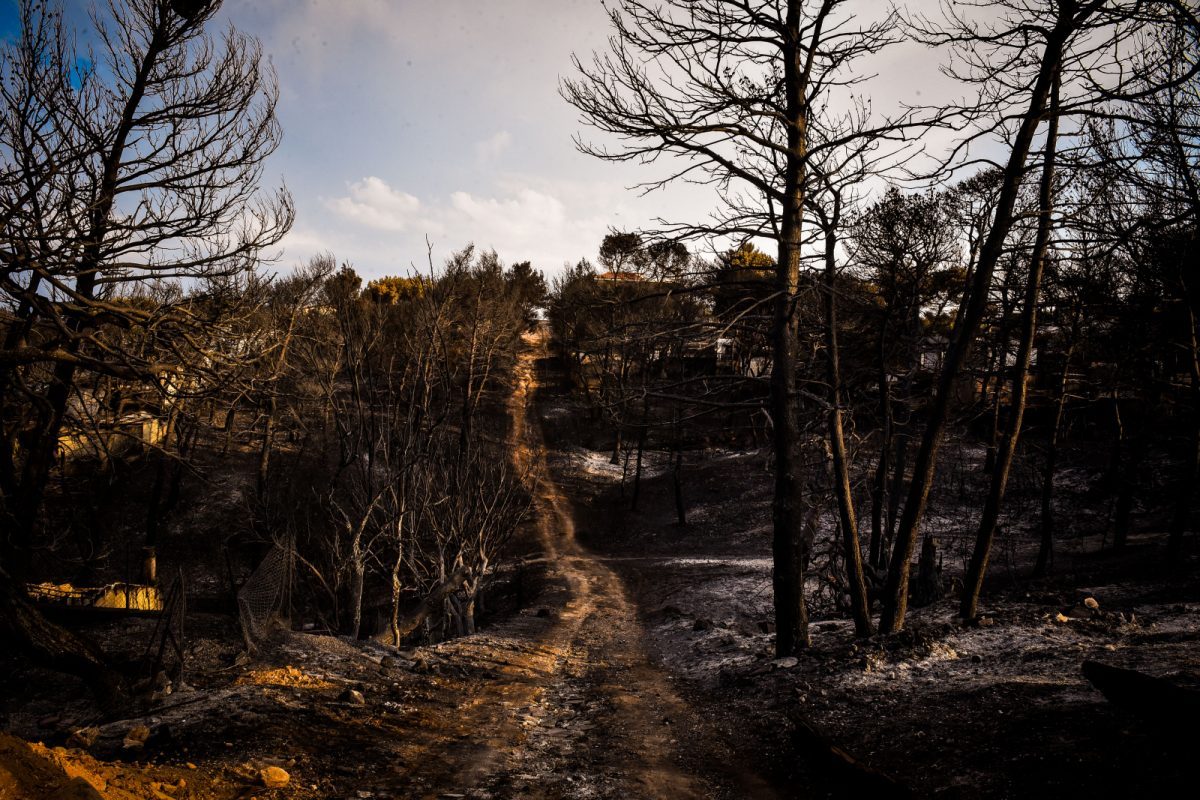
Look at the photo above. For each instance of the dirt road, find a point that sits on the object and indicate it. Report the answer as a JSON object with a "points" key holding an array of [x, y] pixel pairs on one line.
{"points": [[574, 708]]}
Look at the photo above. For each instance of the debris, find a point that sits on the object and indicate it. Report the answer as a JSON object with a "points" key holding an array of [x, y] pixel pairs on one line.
{"points": [[1152, 698], [1061, 618], [274, 777], [136, 737], [352, 696], [83, 738]]}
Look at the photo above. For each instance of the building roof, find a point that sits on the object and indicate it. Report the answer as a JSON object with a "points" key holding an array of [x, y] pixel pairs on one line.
{"points": [[620, 276]]}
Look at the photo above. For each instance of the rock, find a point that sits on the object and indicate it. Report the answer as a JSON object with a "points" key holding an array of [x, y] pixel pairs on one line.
{"points": [[543, 612], [387, 662], [274, 777], [1091, 603], [352, 696], [1081, 612], [977, 659], [136, 737], [785, 663], [702, 625], [83, 738], [189, 765]]}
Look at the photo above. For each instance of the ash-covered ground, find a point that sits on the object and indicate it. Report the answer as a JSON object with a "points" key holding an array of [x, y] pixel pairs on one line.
{"points": [[1001, 710]]}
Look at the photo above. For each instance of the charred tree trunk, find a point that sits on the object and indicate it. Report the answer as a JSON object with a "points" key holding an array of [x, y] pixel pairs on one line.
{"points": [[1131, 453], [973, 581], [430, 604], [396, 584], [677, 477], [1046, 519], [896, 491], [264, 451], [929, 587], [895, 600], [856, 584], [680, 506], [1190, 472], [1001, 367], [788, 549], [641, 447], [879, 484], [357, 581]]}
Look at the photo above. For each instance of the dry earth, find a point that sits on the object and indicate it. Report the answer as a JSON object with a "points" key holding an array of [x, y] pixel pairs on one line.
{"points": [[644, 669], [559, 701]]}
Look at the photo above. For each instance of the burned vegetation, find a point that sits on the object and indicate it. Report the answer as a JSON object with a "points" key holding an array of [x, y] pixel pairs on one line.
{"points": [[881, 480]]}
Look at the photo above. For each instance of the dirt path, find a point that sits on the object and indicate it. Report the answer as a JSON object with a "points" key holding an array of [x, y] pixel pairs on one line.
{"points": [[575, 708]]}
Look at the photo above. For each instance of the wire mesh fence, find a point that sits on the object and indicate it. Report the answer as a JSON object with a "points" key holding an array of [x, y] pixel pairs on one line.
{"points": [[265, 597]]}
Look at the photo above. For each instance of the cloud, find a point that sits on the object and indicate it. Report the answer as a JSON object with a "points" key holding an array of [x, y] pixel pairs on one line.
{"points": [[373, 203], [490, 148], [519, 222], [526, 214]]}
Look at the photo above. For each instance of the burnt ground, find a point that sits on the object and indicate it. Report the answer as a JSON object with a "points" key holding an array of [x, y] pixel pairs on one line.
{"points": [[559, 700], [644, 669], [999, 711]]}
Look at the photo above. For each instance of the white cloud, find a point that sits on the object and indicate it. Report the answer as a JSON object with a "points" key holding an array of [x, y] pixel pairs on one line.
{"points": [[376, 205], [490, 148], [379, 222]]}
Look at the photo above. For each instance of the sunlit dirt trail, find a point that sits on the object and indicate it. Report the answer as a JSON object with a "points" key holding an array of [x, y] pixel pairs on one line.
{"points": [[572, 706]]}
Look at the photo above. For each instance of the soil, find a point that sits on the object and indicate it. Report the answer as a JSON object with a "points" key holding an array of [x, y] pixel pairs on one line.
{"points": [[644, 668], [997, 711], [561, 700]]}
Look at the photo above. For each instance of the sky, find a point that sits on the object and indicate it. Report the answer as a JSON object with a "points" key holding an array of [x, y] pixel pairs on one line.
{"points": [[414, 120], [405, 120]]}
